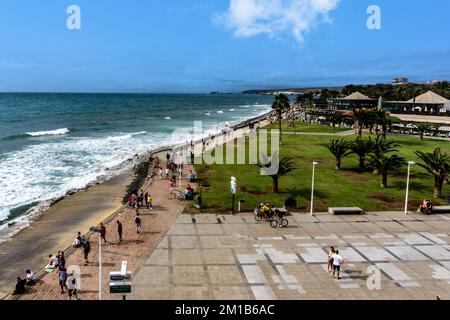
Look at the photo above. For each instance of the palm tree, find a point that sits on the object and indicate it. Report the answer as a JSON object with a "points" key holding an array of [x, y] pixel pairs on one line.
{"points": [[380, 145], [335, 119], [340, 149], [360, 147], [379, 116], [362, 117], [422, 128], [371, 120], [385, 163], [280, 105], [385, 121], [436, 128], [285, 166], [437, 164]]}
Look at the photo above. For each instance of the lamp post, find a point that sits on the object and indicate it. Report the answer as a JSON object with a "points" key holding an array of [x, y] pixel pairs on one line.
{"points": [[312, 186], [410, 163], [97, 230]]}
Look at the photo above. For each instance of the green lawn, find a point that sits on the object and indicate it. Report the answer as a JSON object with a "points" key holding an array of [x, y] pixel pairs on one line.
{"points": [[286, 126], [347, 187]]}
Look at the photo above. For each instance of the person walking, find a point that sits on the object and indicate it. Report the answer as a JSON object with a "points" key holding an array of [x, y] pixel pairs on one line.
{"points": [[103, 232], [119, 230], [138, 223], [331, 251], [337, 262], [62, 278], [171, 186], [62, 259], [72, 286], [86, 250], [149, 202]]}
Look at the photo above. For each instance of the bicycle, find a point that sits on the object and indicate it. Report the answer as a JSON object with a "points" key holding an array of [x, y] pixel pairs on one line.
{"points": [[177, 194], [279, 222], [278, 219], [259, 215]]}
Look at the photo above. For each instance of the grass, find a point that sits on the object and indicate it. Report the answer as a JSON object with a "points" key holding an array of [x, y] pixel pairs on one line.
{"points": [[305, 127], [346, 187]]}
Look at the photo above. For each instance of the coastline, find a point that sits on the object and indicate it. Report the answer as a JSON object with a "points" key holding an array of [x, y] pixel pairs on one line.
{"points": [[54, 229]]}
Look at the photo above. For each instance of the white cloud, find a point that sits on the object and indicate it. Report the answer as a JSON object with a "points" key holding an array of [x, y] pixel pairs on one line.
{"points": [[248, 18]]}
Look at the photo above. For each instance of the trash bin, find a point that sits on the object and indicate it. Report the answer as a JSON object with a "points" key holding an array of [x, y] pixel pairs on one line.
{"points": [[290, 203]]}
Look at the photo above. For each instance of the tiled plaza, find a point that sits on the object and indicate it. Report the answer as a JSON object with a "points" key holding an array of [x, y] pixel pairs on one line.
{"points": [[234, 257]]}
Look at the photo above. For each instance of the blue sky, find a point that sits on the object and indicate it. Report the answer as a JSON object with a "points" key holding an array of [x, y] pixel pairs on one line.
{"points": [[226, 45]]}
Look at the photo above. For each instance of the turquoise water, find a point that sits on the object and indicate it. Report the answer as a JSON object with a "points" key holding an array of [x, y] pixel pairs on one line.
{"points": [[51, 143]]}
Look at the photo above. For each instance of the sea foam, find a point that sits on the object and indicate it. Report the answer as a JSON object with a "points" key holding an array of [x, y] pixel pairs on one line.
{"points": [[56, 132]]}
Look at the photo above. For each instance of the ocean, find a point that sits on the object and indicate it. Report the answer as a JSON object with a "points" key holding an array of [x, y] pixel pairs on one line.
{"points": [[53, 143]]}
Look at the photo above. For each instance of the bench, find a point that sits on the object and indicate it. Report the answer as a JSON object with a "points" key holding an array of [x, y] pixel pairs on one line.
{"points": [[343, 210], [440, 209]]}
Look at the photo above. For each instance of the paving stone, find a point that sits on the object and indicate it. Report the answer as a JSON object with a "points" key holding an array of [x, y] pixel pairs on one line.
{"points": [[376, 254], [414, 238], [406, 253], [350, 255], [225, 275], [263, 293], [254, 274], [314, 255], [436, 252], [397, 275]]}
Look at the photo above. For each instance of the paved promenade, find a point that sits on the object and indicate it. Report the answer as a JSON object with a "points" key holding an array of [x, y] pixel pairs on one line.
{"points": [[134, 249], [234, 257]]}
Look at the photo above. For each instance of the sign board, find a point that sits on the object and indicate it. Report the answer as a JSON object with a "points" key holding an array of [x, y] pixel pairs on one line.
{"points": [[120, 287], [233, 185], [119, 277]]}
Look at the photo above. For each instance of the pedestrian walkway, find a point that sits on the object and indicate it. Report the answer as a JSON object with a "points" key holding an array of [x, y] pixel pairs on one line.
{"points": [[212, 256], [135, 248]]}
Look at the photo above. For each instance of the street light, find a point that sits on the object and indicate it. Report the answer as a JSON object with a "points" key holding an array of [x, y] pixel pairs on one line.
{"points": [[95, 229], [312, 186], [410, 163]]}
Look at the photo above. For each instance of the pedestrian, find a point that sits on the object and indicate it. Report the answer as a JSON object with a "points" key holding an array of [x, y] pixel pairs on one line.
{"points": [[119, 230], [331, 251], [72, 285], [167, 173], [145, 199], [86, 250], [62, 278], [138, 222], [103, 232], [167, 157], [149, 202], [171, 186], [30, 278], [337, 262], [62, 259]]}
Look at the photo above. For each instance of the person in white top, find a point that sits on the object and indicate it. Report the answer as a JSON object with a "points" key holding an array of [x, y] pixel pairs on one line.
{"points": [[31, 280], [337, 262]]}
